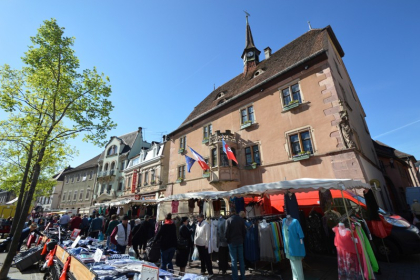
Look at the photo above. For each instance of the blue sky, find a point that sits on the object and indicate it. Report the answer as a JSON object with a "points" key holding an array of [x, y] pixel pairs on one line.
{"points": [[164, 57]]}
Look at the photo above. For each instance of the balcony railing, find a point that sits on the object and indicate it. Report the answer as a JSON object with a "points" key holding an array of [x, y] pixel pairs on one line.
{"points": [[218, 136], [106, 173]]}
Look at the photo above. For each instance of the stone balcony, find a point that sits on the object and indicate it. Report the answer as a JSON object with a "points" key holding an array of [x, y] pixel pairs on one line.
{"points": [[218, 136]]}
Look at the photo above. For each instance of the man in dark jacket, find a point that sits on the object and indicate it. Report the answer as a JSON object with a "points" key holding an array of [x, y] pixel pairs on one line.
{"points": [[168, 242], [235, 235], [95, 227], [141, 233]]}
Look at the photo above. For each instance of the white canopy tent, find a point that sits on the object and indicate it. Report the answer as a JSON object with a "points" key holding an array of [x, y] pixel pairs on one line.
{"points": [[12, 201], [201, 195], [298, 185]]}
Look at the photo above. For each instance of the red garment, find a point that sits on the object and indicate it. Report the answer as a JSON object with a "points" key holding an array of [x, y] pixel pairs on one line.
{"points": [[217, 205], [50, 258], [168, 222], [175, 205], [75, 223], [348, 264]]}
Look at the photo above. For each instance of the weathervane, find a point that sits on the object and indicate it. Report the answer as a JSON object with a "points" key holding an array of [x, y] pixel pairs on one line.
{"points": [[247, 15]]}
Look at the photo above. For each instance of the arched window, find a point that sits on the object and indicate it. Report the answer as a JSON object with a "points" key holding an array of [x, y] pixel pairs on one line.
{"points": [[112, 165], [112, 150], [106, 167]]}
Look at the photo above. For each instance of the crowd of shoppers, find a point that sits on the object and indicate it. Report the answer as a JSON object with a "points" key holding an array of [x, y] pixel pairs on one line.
{"points": [[177, 238]]}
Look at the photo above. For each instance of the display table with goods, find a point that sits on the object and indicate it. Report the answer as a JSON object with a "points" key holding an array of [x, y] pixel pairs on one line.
{"points": [[88, 259]]}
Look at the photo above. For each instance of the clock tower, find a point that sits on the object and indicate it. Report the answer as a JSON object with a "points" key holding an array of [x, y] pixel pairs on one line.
{"points": [[250, 55]]}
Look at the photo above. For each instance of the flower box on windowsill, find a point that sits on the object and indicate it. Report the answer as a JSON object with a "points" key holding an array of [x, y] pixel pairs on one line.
{"points": [[291, 105], [206, 175], [301, 156], [205, 140], [180, 180], [153, 183], [181, 151], [246, 124], [253, 165]]}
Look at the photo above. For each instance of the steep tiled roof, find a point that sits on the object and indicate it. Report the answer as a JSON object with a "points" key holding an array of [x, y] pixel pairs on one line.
{"points": [[308, 45], [387, 151], [88, 164], [127, 139]]}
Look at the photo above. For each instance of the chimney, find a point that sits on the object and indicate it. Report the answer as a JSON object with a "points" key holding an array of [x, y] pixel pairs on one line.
{"points": [[267, 52]]}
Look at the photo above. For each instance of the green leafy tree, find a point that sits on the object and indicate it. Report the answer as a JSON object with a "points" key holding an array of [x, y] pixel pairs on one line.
{"points": [[53, 101]]}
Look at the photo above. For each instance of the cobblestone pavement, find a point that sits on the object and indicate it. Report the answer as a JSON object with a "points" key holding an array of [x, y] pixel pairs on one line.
{"points": [[32, 273]]}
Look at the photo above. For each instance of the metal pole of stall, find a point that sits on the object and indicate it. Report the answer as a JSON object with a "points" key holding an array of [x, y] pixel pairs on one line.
{"points": [[352, 235]]}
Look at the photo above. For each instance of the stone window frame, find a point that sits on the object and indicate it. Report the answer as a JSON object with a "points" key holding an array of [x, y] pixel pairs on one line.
{"points": [[183, 142], [246, 108], [289, 133], [78, 177], [208, 128], [181, 171], [252, 153], [111, 151], [81, 195], [75, 195], [69, 197], [87, 193], [289, 85], [63, 198]]}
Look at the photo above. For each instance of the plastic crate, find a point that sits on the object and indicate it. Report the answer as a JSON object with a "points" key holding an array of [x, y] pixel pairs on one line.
{"points": [[29, 260]]}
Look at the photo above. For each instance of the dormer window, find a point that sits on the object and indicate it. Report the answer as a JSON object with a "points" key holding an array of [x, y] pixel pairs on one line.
{"points": [[112, 150], [220, 95], [258, 72]]}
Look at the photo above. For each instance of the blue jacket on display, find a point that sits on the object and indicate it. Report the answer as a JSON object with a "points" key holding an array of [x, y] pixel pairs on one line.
{"points": [[296, 247]]}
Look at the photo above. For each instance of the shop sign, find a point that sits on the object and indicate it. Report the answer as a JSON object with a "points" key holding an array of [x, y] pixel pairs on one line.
{"points": [[134, 182], [149, 272], [149, 197], [74, 234]]}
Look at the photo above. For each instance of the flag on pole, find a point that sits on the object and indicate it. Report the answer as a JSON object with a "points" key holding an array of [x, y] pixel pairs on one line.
{"points": [[228, 152], [190, 162], [200, 160]]}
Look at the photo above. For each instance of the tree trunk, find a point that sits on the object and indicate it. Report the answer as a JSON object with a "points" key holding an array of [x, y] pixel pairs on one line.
{"points": [[18, 229], [19, 213]]}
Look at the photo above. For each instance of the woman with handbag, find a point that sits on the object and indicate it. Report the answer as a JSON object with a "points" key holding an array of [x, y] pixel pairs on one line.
{"points": [[184, 245]]}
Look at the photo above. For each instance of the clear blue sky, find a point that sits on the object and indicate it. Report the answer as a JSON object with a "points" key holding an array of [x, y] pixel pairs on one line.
{"points": [[163, 57]]}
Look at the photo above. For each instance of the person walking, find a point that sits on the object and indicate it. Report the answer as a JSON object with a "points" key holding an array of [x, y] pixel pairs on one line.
{"points": [[64, 221], [201, 241], [235, 235], [168, 242], [75, 224], [95, 227], [141, 233], [121, 235], [111, 226], [191, 227], [223, 246], [184, 245], [84, 225]]}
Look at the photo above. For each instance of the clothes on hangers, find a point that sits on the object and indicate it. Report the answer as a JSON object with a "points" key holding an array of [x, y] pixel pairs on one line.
{"points": [[348, 265], [266, 242], [174, 205], [252, 250]]}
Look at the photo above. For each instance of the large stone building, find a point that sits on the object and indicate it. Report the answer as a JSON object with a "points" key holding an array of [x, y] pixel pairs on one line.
{"points": [[112, 162], [294, 114], [78, 187], [146, 174]]}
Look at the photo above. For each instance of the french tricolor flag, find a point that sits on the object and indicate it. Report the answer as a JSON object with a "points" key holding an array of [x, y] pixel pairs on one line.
{"points": [[200, 160], [228, 152]]}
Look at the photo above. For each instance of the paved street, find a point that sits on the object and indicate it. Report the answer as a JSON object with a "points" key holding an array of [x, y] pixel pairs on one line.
{"points": [[315, 268]]}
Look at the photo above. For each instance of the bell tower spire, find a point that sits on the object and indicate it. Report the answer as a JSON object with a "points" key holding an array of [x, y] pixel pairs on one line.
{"points": [[250, 55]]}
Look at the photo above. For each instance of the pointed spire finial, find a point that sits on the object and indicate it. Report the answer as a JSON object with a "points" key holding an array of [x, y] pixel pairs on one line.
{"points": [[309, 23]]}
